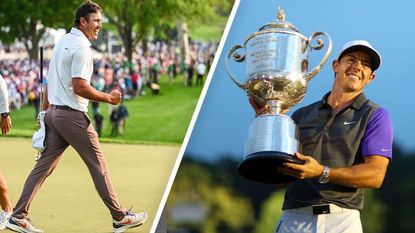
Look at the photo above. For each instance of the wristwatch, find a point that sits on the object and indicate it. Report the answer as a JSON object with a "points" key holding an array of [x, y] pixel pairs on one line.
{"points": [[324, 177], [5, 114]]}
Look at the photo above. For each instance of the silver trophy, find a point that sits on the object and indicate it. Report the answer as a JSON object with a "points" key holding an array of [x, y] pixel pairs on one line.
{"points": [[277, 73]]}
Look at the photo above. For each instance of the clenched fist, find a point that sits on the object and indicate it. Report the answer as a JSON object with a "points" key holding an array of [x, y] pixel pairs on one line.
{"points": [[115, 97]]}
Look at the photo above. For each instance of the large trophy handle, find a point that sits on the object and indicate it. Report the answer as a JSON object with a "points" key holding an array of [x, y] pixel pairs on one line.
{"points": [[238, 58], [320, 44]]}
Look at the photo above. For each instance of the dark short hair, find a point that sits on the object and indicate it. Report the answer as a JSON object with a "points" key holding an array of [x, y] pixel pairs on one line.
{"points": [[84, 10]]}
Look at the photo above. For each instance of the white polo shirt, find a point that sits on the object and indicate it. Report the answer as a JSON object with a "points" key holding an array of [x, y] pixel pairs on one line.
{"points": [[4, 96], [72, 58]]}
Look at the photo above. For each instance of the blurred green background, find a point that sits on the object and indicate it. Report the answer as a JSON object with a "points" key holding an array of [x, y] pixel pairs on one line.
{"points": [[220, 200]]}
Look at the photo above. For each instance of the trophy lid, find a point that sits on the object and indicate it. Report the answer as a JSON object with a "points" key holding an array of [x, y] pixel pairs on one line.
{"points": [[279, 23]]}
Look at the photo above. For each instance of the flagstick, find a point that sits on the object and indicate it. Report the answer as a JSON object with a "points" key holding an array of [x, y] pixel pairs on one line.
{"points": [[37, 157]]}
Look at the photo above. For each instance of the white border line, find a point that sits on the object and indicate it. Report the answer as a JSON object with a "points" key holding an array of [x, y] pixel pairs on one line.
{"points": [[194, 118]]}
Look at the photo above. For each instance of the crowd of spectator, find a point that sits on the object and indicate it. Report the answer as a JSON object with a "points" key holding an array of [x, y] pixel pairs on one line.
{"points": [[23, 82], [132, 78]]}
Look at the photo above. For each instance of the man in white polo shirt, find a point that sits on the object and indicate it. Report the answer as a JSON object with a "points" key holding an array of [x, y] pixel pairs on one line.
{"points": [[5, 125], [66, 100]]}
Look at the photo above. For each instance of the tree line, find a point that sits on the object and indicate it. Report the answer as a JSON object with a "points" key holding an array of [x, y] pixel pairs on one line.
{"points": [[134, 20]]}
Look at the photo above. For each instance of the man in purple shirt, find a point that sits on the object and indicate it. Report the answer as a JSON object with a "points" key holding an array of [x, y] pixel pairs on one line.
{"points": [[346, 145]]}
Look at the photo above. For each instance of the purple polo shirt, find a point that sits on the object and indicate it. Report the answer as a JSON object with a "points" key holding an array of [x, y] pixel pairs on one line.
{"points": [[377, 139], [342, 140]]}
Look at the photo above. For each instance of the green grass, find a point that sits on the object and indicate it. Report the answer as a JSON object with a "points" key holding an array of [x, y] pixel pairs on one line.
{"points": [[153, 119], [68, 202], [211, 31]]}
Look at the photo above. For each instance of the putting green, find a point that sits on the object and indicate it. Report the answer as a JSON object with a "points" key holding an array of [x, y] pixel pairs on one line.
{"points": [[68, 202]]}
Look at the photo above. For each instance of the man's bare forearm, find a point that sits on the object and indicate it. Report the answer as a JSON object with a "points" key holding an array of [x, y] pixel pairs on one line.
{"points": [[82, 88]]}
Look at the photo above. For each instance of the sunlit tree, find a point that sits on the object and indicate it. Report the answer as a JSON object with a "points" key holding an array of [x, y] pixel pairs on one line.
{"points": [[26, 20], [135, 20]]}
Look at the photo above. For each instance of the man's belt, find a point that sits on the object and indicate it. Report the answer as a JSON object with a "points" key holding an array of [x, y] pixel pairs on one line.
{"points": [[63, 107], [319, 209]]}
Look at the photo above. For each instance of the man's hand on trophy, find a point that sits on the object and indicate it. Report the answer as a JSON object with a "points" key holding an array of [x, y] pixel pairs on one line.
{"points": [[310, 169], [260, 109]]}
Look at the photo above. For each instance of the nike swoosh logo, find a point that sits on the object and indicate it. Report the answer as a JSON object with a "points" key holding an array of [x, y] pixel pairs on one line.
{"points": [[384, 150], [126, 222], [349, 122]]}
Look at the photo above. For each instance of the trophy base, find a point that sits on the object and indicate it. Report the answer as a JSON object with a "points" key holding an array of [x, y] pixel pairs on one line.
{"points": [[262, 167]]}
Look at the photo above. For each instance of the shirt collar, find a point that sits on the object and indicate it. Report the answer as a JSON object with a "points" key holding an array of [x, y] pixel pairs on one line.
{"points": [[77, 32], [356, 104], [323, 102], [359, 101]]}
